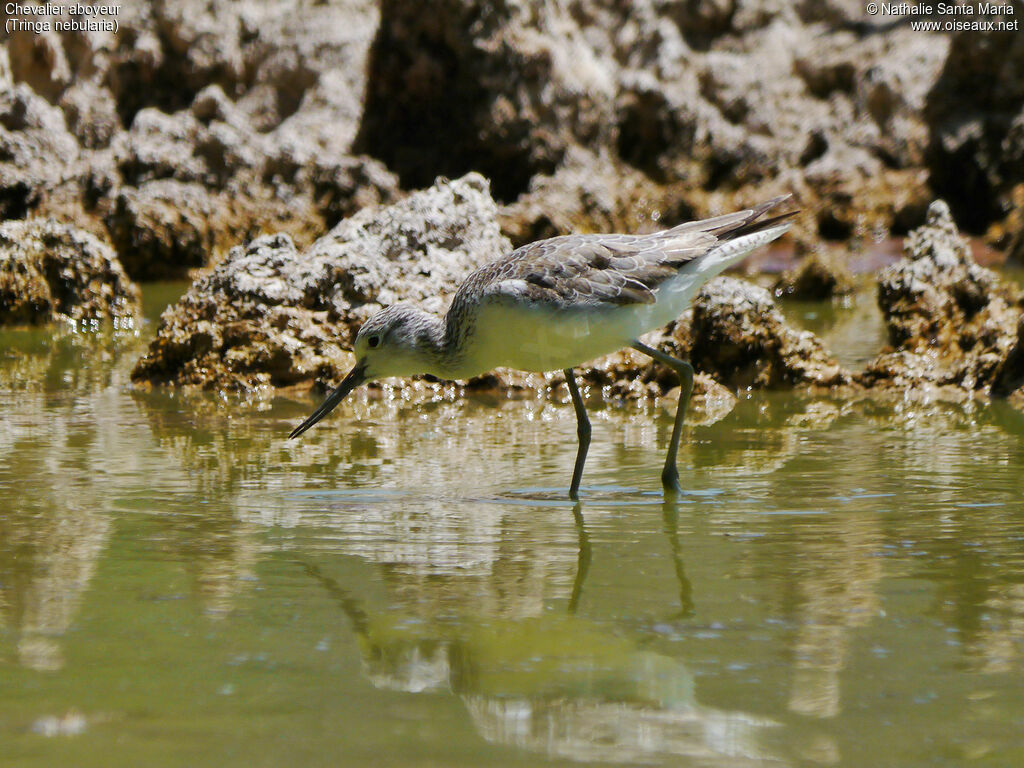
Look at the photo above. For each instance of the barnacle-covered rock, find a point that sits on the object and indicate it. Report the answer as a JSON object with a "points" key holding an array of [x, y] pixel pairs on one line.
{"points": [[950, 321], [271, 314], [51, 271], [741, 338]]}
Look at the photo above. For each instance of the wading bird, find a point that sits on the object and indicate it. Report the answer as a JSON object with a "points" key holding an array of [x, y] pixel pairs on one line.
{"points": [[557, 303]]}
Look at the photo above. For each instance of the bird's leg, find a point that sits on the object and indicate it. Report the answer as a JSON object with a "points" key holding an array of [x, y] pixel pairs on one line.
{"points": [[670, 474], [582, 432]]}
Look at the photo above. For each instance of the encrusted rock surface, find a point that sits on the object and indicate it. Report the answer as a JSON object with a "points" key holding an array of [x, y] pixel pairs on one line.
{"points": [[822, 274], [976, 113], [740, 337], [272, 315], [591, 192], [51, 271], [951, 323], [283, 115], [1008, 380], [736, 338], [196, 126], [1010, 233], [190, 186], [39, 158], [693, 97]]}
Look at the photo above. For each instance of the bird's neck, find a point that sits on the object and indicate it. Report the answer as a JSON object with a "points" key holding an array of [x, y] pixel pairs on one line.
{"points": [[438, 341], [447, 345]]}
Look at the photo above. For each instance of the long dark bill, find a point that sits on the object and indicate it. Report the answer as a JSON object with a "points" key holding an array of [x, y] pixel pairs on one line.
{"points": [[355, 377]]}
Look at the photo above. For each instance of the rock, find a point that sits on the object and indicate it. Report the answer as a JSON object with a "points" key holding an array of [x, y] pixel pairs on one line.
{"points": [[341, 186], [250, 108], [591, 193], [950, 321], [853, 197], [741, 338], [884, 80], [163, 146], [835, 109], [91, 114], [223, 334], [631, 375], [51, 271], [975, 111], [39, 159], [277, 61], [710, 401], [1009, 234], [1008, 379], [166, 227], [692, 97], [1015, 251], [821, 275], [272, 315], [592, 116], [39, 61], [194, 184], [511, 87]]}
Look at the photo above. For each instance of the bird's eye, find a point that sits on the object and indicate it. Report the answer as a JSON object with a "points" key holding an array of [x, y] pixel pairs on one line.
{"points": [[373, 342]]}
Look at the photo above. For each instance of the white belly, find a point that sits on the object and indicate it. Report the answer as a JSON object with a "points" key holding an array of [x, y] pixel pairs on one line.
{"points": [[537, 338], [546, 340]]}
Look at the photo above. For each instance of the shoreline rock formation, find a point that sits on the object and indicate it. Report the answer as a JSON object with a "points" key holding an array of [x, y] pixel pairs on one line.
{"points": [[270, 314], [51, 272], [200, 125], [194, 128], [741, 339], [822, 274], [204, 127], [273, 315], [951, 323]]}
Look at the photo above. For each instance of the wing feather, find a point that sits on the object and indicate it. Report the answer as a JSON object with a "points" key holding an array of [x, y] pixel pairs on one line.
{"points": [[589, 270]]}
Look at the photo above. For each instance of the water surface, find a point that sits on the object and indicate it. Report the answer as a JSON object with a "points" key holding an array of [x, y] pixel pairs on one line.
{"points": [[842, 584]]}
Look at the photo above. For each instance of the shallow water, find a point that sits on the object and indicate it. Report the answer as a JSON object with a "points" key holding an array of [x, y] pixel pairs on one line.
{"points": [[841, 585]]}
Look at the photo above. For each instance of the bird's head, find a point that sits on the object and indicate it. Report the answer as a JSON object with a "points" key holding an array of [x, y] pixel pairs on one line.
{"points": [[397, 341]]}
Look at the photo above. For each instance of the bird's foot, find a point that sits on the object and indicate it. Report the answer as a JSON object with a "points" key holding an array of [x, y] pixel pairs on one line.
{"points": [[670, 480]]}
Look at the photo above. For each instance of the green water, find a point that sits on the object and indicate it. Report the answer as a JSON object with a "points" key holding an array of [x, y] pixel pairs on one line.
{"points": [[842, 584]]}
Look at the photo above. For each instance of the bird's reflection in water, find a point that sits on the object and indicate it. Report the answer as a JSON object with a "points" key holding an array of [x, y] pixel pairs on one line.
{"points": [[554, 682]]}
